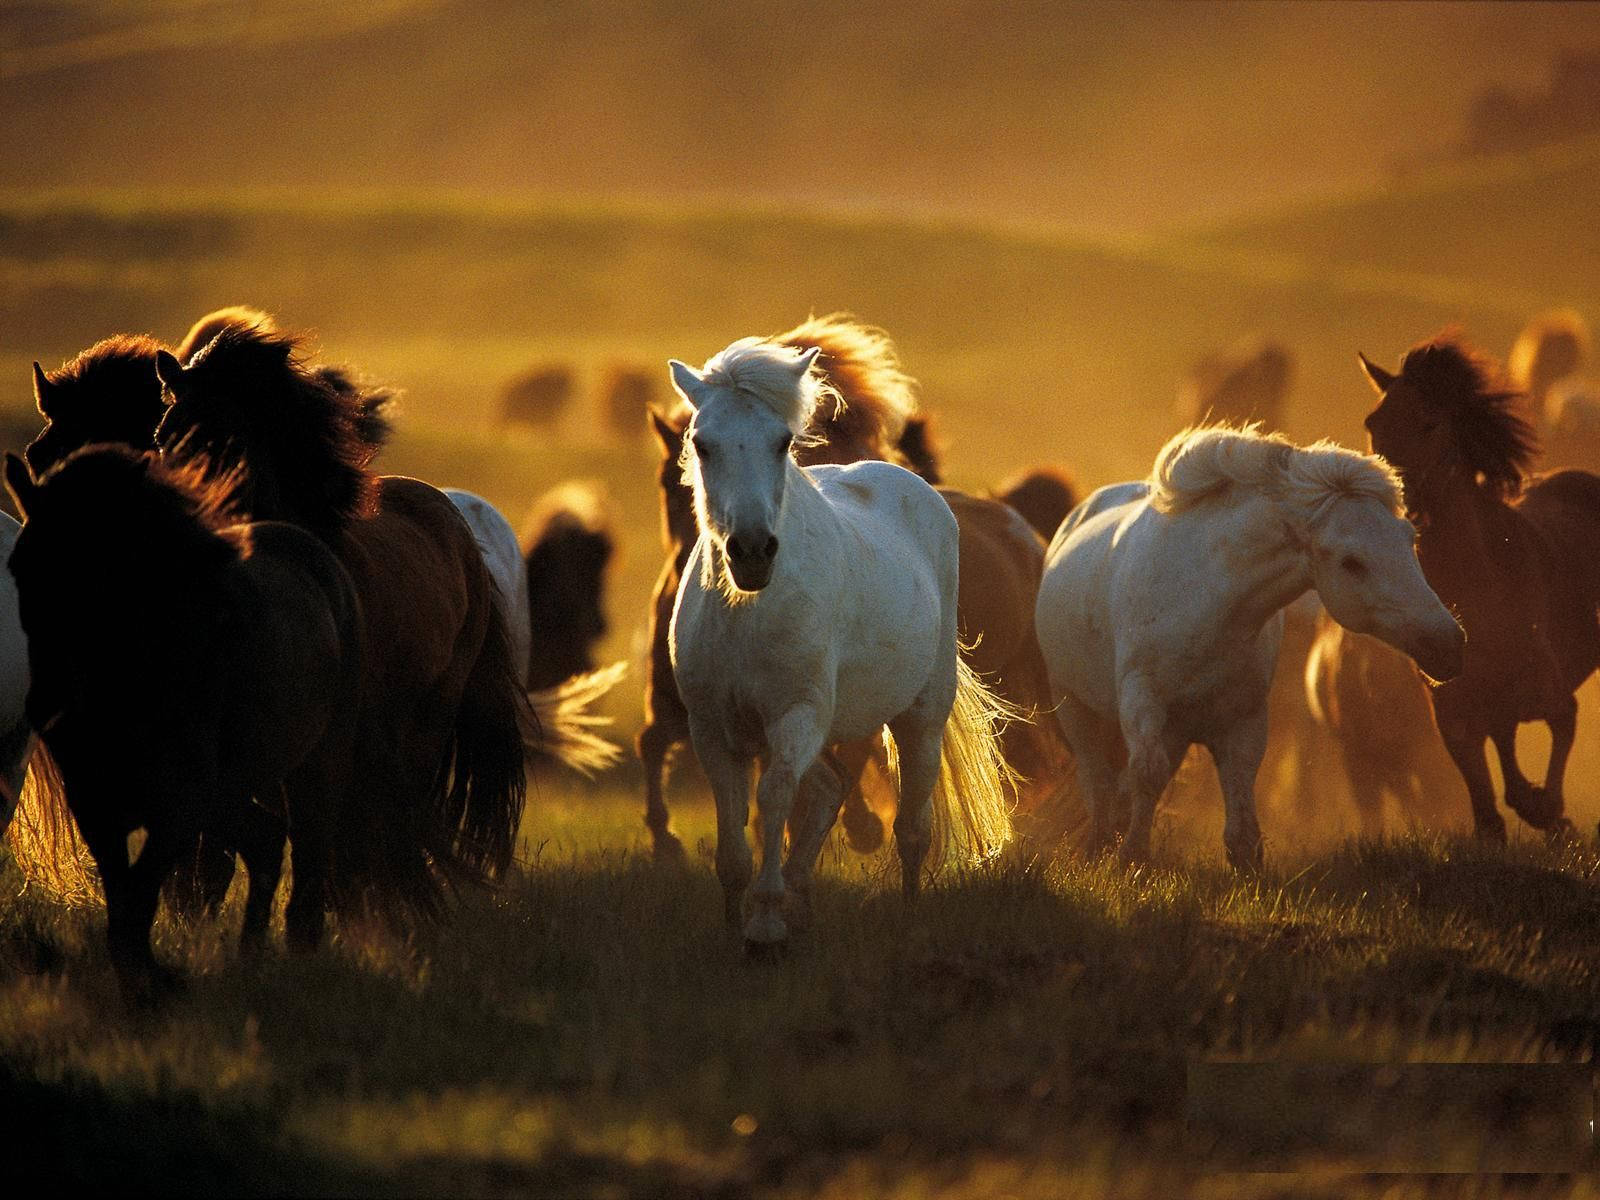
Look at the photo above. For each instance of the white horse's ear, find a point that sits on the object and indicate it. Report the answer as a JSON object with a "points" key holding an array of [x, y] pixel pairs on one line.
{"points": [[689, 382], [20, 483], [170, 371], [1379, 378], [803, 363]]}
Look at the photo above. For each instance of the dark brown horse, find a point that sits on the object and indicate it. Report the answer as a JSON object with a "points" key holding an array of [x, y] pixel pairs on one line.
{"points": [[567, 546], [1043, 495], [1517, 559], [1001, 563], [218, 695], [439, 772]]}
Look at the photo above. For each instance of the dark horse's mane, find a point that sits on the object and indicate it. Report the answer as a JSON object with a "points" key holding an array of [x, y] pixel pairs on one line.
{"points": [[299, 439], [1494, 440]]}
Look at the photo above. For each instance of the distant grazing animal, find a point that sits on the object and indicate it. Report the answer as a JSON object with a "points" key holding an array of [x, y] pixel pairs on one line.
{"points": [[566, 547], [1375, 704], [1245, 383], [626, 393], [228, 669], [1043, 495], [1546, 367], [16, 734], [818, 607], [869, 407], [440, 744], [1518, 560], [1160, 613], [537, 397]]}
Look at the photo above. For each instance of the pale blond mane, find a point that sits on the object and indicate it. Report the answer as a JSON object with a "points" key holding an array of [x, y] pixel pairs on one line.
{"points": [[764, 371], [1208, 461]]}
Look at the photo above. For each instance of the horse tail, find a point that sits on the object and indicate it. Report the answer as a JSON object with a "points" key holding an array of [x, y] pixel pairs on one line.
{"points": [[44, 838], [974, 798], [561, 726], [488, 785]]}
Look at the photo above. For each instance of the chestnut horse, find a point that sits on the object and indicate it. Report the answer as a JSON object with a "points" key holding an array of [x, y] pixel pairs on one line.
{"points": [[439, 748], [1517, 559]]}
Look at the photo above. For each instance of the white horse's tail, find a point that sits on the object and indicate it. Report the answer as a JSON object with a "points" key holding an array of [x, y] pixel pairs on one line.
{"points": [[44, 837], [977, 788], [565, 728]]}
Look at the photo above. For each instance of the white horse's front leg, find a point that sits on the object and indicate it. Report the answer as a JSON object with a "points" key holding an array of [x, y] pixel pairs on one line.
{"points": [[793, 742], [1151, 761], [1238, 755], [822, 794], [729, 777]]}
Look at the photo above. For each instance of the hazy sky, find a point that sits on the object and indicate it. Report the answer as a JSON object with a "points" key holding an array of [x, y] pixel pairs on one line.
{"points": [[1102, 116]]}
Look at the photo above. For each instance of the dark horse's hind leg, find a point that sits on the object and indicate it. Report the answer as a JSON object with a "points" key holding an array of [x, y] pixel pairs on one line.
{"points": [[1541, 807], [260, 840], [132, 893], [655, 745], [1467, 751]]}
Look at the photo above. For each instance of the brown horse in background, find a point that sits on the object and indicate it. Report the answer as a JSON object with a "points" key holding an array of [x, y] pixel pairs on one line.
{"points": [[1518, 561], [1374, 703], [1002, 561], [1044, 496], [567, 546], [1244, 384], [439, 780]]}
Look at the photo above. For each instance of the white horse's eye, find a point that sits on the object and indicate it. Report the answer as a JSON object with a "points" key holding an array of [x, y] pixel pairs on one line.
{"points": [[1353, 565], [784, 443], [701, 448]]}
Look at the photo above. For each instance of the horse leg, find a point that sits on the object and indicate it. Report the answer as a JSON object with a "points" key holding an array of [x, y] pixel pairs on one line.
{"points": [[1366, 790], [313, 798], [1153, 759], [260, 839], [794, 741], [1467, 752], [1237, 755], [730, 786], [863, 828], [822, 793], [1519, 789], [1095, 744], [128, 926], [920, 744], [655, 744], [1547, 805]]}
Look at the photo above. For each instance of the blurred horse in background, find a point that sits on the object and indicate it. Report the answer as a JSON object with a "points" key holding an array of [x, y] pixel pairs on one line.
{"points": [[1245, 384], [1044, 496], [1374, 703], [1160, 613], [565, 550], [1546, 365], [819, 606], [1518, 560], [219, 695], [537, 398]]}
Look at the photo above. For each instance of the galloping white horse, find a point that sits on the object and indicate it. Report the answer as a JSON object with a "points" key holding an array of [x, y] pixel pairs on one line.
{"points": [[817, 607], [502, 554], [1160, 612]]}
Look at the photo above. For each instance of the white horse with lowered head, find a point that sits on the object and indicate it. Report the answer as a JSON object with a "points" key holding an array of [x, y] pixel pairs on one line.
{"points": [[817, 607], [1160, 612]]}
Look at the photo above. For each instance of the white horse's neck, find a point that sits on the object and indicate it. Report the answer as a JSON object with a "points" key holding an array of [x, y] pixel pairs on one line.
{"points": [[1269, 566]]}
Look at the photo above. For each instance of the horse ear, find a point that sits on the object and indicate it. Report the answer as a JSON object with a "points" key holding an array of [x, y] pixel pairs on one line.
{"points": [[20, 483], [170, 371], [668, 434], [689, 382], [1380, 378], [802, 365], [41, 390]]}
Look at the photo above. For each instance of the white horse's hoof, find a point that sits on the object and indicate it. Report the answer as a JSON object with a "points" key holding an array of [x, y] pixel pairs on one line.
{"points": [[765, 928]]}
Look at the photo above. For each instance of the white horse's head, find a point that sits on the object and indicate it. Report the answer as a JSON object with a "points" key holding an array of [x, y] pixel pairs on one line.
{"points": [[1364, 567], [750, 402]]}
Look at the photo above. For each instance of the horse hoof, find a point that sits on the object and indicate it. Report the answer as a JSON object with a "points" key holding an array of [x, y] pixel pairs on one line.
{"points": [[1490, 831], [863, 830], [764, 952], [765, 928]]}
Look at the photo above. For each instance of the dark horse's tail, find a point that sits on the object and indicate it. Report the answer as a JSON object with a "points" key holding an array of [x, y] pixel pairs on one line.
{"points": [[482, 797]]}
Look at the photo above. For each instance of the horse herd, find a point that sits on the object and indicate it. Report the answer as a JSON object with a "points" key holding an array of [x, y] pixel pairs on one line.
{"points": [[239, 637]]}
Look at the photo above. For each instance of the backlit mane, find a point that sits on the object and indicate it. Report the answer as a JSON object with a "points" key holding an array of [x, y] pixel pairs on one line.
{"points": [[1492, 437], [872, 397], [763, 371], [302, 435], [1210, 460]]}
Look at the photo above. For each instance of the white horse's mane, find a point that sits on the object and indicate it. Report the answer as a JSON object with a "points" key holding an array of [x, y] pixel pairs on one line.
{"points": [[765, 371], [1208, 460]]}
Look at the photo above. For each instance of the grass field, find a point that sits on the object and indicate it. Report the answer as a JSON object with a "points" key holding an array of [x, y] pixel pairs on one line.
{"points": [[592, 1029]]}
